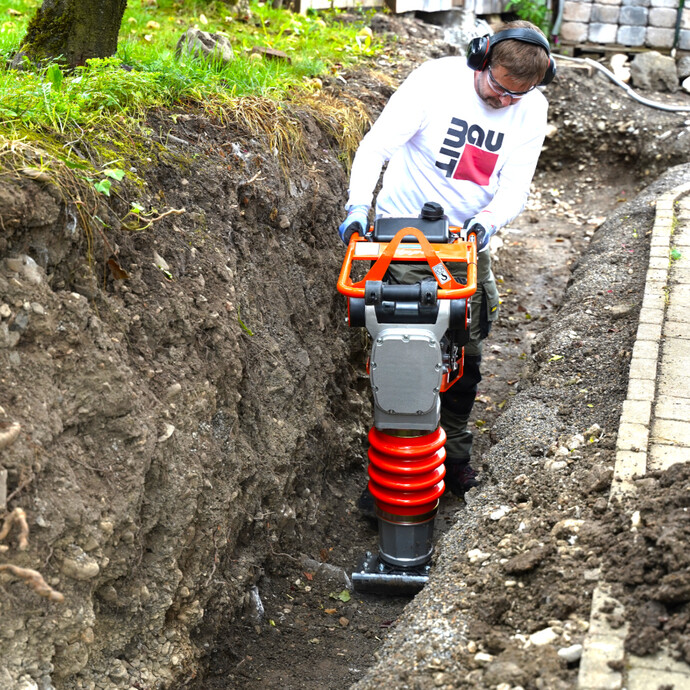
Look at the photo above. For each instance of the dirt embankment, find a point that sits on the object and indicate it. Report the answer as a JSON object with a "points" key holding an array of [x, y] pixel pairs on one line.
{"points": [[177, 424], [170, 420]]}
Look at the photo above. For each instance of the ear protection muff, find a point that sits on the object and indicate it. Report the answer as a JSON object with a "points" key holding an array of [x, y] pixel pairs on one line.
{"points": [[479, 49]]}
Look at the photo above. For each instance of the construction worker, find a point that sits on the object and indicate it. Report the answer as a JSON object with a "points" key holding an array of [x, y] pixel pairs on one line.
{"points": [[465, 133]]}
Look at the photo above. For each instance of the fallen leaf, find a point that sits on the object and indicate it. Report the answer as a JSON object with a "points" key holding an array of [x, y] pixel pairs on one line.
{"points": [[117, 271], [309, 576], [330, 612], [343, 596]]}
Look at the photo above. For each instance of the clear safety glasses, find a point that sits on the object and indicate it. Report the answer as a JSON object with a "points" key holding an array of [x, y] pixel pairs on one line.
{"points": [[501, 91]]}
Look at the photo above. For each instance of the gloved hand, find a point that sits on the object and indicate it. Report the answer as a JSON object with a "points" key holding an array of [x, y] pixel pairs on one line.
{"points": [[356, 221], [483, 226]]}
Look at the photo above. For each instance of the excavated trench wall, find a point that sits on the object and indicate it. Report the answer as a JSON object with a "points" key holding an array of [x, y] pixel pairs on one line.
{"points": [[171, 420]]}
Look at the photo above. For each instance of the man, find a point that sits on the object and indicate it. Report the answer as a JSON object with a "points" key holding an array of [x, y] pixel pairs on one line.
{"points": [[466, 133]]}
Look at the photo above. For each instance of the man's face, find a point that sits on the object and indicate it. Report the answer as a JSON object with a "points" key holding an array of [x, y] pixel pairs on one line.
{"points": [[498, 89]]}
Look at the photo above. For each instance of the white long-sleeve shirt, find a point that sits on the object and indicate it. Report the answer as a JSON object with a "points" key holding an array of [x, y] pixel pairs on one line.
{"points": [[444, 144]]}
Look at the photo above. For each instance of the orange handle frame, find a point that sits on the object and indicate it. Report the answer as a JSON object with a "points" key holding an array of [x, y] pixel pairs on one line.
{"points": [[383, 253]]}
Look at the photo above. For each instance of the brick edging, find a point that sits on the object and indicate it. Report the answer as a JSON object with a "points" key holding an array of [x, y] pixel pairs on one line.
{"points": [[604, 644]]}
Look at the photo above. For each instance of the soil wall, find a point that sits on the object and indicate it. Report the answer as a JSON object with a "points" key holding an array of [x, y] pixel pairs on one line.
{"points": [[170, 420]]}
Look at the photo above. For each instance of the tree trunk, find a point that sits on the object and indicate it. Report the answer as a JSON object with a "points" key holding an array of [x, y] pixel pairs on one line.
{"points": [[73, 30]]}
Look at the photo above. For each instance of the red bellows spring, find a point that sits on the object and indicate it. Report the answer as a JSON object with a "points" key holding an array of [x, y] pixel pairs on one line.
{"points": [[406, 474]]}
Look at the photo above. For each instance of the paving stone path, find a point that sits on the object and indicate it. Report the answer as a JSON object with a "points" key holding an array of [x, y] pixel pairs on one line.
{"points": [[654, 433]]}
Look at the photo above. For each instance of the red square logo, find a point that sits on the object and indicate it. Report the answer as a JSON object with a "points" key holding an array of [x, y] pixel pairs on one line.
{"points": [[475, 165]]}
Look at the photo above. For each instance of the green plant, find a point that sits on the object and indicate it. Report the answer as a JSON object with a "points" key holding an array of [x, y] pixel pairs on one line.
{"points": [[534, 11]]}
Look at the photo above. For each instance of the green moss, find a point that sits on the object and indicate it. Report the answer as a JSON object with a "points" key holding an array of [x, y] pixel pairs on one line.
{"points": [[47, 34]]}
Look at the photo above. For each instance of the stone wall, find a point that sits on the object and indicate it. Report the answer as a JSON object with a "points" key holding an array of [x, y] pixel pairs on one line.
{"points": [[632, 23]]}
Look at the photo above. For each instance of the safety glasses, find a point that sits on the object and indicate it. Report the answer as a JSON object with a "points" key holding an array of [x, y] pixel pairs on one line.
{"points": [[501, 91]]}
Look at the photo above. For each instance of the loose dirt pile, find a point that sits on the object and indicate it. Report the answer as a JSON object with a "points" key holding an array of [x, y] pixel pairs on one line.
{"points": [[192, 431]]}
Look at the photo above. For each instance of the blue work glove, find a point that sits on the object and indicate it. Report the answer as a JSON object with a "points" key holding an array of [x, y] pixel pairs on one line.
{"points": [[482, 226], [356, 221]]}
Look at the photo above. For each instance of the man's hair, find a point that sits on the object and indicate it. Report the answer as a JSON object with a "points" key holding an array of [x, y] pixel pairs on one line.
{"points": [[523, 61]]}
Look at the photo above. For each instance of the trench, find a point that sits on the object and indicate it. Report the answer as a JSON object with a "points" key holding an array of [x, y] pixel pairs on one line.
{"points": [[301, 625], [221, 522]]}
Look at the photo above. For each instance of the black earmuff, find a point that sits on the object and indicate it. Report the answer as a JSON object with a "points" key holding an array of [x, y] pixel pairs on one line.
{"points": [[479, 49]]}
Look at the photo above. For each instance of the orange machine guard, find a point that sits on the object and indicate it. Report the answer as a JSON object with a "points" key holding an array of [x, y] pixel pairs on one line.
{"points": [[434, 254]]}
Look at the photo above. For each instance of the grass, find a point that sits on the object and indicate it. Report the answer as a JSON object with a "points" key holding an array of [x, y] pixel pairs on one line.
{"points": [[85, 130], [146, 73]]}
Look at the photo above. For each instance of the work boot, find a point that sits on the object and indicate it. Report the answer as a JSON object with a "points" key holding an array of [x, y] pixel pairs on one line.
{"points": [[460, 476], [367, 506]]}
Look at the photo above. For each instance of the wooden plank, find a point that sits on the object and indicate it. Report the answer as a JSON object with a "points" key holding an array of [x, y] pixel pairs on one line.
{"points": [[301, 6], [400, 6]]}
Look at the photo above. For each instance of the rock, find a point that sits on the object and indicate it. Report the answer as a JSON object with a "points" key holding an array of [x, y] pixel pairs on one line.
{"points": [[168, 430], [201, 44], [571, 654], [271, 53], [655, 72], [254, 606], [565, 528], [686, 84], [160, 262], [477, 555], [327, 571], [26, 267], [173, 390], [575, 441], [542, 637], [683, 67], [618, 311], [79, 565], [504, 672], [499, 513], [555, 465]]}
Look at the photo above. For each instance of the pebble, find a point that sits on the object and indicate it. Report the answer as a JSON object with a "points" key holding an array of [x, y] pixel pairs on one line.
{"points": [[167, 433], [566, 527], [592, 575], [499, 513], [79, 565], [542, 637], [477, 555], [160, 262], [5, 311], [635, 521], [571, 654], [575, 441], [483, 657], [173, 390]]}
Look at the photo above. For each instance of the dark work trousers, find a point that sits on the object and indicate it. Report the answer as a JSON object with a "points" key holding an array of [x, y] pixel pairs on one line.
{"points": [[457, 402]]}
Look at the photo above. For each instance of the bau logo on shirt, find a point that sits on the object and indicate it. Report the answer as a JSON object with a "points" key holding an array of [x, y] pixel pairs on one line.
{"points": [[472, 151]]}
